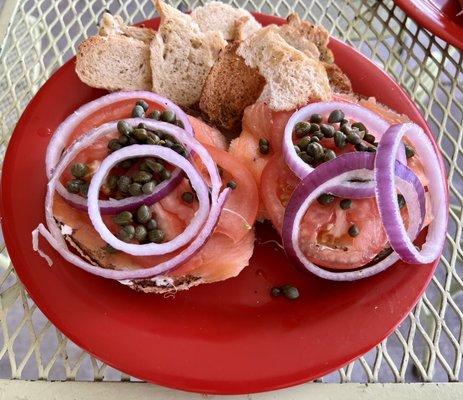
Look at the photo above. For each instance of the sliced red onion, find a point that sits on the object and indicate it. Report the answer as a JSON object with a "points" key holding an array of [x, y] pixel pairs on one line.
{"points": [[196, 181], [371, 120], [322, 180], [143, 273], [389, 210], [113, 206], [60, 138]]}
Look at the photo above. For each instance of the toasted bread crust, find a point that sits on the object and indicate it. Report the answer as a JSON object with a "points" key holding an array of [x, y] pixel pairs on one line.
{"points": [[339, 81], [230, 87]]}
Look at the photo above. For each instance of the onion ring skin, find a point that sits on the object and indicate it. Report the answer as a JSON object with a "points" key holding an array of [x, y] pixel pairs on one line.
{"points": [[385, 180]]}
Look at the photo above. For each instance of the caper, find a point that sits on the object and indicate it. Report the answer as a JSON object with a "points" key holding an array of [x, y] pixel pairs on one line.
{"points": [[335, 116], [151, 224], [369, 138], [304, 142], [140, 233], [84, 189], [297, 149], [168, 143], [290, 292], [156, 114], [143, 104], [316, 118], [151, 140], [315, 150], [401, 201], [188, 197], [339, 139], [126, 164], [344, 121], [141, 125], [318, 135], [409, 151], [314, 139], [123, 183], [162, 142], [345, 204], [178, 148], [124, 128], [168, 116], [361, 147], [140, 134], [156, 236], [148, 187], [301, 129], [179, 123], [154, 166], [123, 218], [314, 128], [111, 182], [306, 158], [329, 155], [165, 174], [353, 231], [353, 138], [114, 145], [325, 199], [232, 185], [142, 177], [123, 140], [264, 146], [275, 291], [327, 130], [345, 129], [371, 149], [143, 214], [135, 189], [73, 186], [127, 233], [79, 170], [138, 112], [359, 126]]}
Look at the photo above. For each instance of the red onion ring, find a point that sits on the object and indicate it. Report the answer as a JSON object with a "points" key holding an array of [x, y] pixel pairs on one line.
{"points": [[370, 119], [196, 181], [322, 180], [60, 138], [142, 273], [389, 211]]}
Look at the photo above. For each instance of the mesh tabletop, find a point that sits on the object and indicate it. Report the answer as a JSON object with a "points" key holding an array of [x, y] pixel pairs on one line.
{"points": [[38, 36]]}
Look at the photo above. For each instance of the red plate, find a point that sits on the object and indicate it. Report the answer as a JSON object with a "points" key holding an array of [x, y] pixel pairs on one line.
{"points": [[229, 337], [438, 17]]}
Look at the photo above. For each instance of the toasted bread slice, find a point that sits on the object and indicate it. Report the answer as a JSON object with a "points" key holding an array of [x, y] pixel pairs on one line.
{"points": [[114, 62], [182, 56], [114, 25], [339, 81], [292, 78], [302, 35], [230, 87], [217, 16]]}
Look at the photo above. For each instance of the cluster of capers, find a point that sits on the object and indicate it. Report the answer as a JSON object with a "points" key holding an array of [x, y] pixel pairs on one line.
{"points": [[338, 128], [140, 226], [143, 181], [140, 134], [77, 184]]}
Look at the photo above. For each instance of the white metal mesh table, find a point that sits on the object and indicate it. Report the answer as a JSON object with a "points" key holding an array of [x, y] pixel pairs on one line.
{"points": [[37, 36]]}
